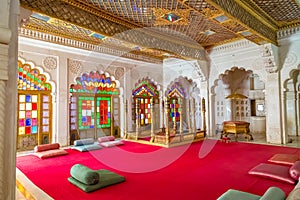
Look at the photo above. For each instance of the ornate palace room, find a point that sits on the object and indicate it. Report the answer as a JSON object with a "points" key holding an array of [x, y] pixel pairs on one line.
{"points": [[157, 99]]}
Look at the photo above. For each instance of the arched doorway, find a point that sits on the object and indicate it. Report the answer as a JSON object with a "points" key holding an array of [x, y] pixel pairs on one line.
{"points": [[94, 106]]}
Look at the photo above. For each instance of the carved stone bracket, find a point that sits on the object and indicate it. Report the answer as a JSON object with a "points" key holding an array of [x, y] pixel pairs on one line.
{"points": [[269, 59]]}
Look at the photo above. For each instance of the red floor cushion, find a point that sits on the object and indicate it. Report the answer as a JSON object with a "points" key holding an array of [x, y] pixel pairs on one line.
{"points": [[287, 159], [273, 171]]}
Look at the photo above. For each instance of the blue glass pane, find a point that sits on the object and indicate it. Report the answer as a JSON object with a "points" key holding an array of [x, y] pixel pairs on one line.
{"points": [[28, 98], [28, 122], [83, 119], [34, 129]]}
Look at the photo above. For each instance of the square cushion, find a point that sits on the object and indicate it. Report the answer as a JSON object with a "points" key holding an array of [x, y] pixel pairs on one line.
{"points": [[286, 159], [272, 171]]}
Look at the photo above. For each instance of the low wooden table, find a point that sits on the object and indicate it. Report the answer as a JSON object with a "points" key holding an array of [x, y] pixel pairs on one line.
{"points": [[236, 127]]}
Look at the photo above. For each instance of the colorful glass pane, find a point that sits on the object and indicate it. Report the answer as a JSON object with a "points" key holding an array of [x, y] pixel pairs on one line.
{"points": [[45, 128], [34, 114], [28, 106], [22, 98], [86, 112], [21, 130], [22, 114], [28, 98], [45, 106], [22, 106], [34, 130], [28, 114], [34, 121], [103, 116], [21, 122]]}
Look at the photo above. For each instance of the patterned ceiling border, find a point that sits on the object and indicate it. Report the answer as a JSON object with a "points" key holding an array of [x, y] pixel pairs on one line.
{"points": [[255, 25], [84, 45]]}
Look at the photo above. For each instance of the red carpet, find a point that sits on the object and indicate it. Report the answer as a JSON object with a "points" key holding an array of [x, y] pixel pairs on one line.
{"points": [[188, 177]]}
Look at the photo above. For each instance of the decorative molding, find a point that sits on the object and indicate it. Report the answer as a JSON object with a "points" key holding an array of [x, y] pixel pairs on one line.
{"points": [[83, 45], [287, 32], [232, 46], [50, 63], [75, 66]]}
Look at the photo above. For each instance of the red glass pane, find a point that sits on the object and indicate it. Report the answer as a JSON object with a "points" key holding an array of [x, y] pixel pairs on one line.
{"points": [[27, 130], [34, 106]]}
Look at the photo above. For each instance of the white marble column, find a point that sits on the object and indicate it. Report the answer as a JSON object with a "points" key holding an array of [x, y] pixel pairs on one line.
{"points": [[273, 118], [9, 11], [291, 116]]}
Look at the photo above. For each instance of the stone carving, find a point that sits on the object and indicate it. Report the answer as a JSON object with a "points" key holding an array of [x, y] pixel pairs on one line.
{"points": [[50, 63], [119, 72], [75, 66], [269, 59]]}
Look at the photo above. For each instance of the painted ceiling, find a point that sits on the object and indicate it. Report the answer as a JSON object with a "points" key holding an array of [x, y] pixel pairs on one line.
{"points": [[162, 28]]}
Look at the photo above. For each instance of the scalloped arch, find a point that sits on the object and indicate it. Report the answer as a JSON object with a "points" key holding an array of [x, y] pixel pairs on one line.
{"points": [[95, 82], [32, 77], [146, 85]]}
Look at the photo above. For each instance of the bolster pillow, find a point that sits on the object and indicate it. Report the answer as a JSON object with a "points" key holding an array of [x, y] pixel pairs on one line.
{"points": [[83, 142], [295, 170], [106, 139], [84, 174], [46, 147], [273, 193]]}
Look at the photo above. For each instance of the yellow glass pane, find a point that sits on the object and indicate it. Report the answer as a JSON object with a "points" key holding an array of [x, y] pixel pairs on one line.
{"points": [[22, 98], [22, 106], [21, 131], [34, 98], [22, 114], [34, 114], [28, 106]]}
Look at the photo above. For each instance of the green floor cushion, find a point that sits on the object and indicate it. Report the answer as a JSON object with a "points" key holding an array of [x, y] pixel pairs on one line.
{"points": [[84, 174], [106, 178], [232, 194]]}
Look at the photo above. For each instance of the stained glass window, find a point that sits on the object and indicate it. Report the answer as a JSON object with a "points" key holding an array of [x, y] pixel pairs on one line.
{"points": [[28, 114], [145, 111], [86, 112], [103, 112], [174, 114]]}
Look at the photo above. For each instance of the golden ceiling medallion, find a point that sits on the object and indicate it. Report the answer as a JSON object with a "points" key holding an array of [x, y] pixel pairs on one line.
{"points": [[169, 17]]}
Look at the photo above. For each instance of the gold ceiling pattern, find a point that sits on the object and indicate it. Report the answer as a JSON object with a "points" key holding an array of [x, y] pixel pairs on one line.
{"points": [[162, 28]]}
